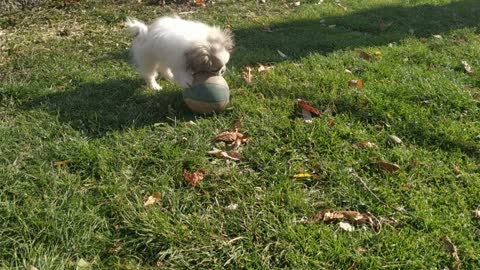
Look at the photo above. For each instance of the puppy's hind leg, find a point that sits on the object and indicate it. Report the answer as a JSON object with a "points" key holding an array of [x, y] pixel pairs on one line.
{"points": [[148, 70], [165, 72]]}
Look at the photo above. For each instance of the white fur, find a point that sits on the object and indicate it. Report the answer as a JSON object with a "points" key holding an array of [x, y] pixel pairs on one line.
{"points": [[174, 47]]}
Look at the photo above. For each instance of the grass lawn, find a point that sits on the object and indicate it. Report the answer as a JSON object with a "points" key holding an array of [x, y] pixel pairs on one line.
{"points": [[83, 143]]}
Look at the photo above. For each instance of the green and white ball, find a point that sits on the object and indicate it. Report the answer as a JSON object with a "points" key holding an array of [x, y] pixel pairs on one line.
{"points": [[209, 93]]}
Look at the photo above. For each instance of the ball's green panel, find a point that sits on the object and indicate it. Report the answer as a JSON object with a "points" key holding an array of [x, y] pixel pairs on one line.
{"points": [[207, 92]]}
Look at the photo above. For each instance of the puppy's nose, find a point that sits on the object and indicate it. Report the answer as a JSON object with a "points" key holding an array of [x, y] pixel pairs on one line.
{"points": [[222, 71]]}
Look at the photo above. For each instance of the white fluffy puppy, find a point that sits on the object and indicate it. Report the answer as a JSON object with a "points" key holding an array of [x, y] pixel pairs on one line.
{"points": [[178, 48]]}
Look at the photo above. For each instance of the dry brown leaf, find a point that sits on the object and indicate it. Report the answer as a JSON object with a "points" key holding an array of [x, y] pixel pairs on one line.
{"points": [[233, 137], [307, 107], [352, 217], [367, 145], [195, 177], [262, 68], [155, 197], [387, 166], [365, 55], [384, 26], [247, 74], [233, 155], [394, 139], [355, 83], [200, 3], [451, 248], [228, 136]]}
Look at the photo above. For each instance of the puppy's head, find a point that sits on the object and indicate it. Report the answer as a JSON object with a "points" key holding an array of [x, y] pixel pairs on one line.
{"points": [[211, 55]]}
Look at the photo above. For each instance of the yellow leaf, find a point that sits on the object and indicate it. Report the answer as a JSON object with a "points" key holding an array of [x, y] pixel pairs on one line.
{"points": [[152, 199], [302, 175]]}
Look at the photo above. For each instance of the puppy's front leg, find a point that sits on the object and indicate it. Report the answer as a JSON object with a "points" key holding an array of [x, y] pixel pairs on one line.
{"points": [[183, 77]]}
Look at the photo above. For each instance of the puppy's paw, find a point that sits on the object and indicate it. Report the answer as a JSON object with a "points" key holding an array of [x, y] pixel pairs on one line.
{"points": [[154, 86]]}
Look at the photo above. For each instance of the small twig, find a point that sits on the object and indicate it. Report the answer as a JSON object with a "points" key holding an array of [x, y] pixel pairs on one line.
{"points": [[378, 198]]}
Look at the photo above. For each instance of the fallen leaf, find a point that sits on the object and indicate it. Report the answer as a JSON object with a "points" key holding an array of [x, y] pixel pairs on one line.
{"points": [[346, 226], [378, 53], [31, 267], [268, 29], [340, 5], [82, 264], [247, 74], [476, 214], [233, 155], [307, 116], [387, 166], [438, 36], [307, 107], [200, 3], [233, 137], [61, 163], [228, 136], [367, 145], [467, 67], [231, 207], [355, 83], [348, 71], [451, 248], [282, 54], [155, 197], [195, 177], [302, 175], [297, 3], [457, 171], [384, 26], [332, 26], [351, 217], [360, 249], [263, 68], [394, 139], [365, 56]]}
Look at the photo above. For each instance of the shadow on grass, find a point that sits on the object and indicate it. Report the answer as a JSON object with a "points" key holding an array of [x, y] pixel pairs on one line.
{"points": [[373, 27], [96, 108], [368, 28]]}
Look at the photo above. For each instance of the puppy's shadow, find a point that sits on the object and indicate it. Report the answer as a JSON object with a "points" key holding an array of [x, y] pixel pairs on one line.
{"points": [[97, 108]]}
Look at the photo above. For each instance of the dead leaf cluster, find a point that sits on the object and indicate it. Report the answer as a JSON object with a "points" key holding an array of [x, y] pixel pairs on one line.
{"points": [[193, 178], [234, 139], [387, 166], [306, 110], [351, 217], [247, 74]]}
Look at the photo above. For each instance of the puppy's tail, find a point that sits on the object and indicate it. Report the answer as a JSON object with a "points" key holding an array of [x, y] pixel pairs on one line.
{"points": [[137, 28]]}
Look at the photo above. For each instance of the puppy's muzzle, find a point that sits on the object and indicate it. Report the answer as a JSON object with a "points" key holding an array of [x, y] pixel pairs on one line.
{"points": [[222, 71]]}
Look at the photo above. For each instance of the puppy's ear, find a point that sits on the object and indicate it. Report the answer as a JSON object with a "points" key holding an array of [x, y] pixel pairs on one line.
{"points": [[198, 58], [228, 40]]}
